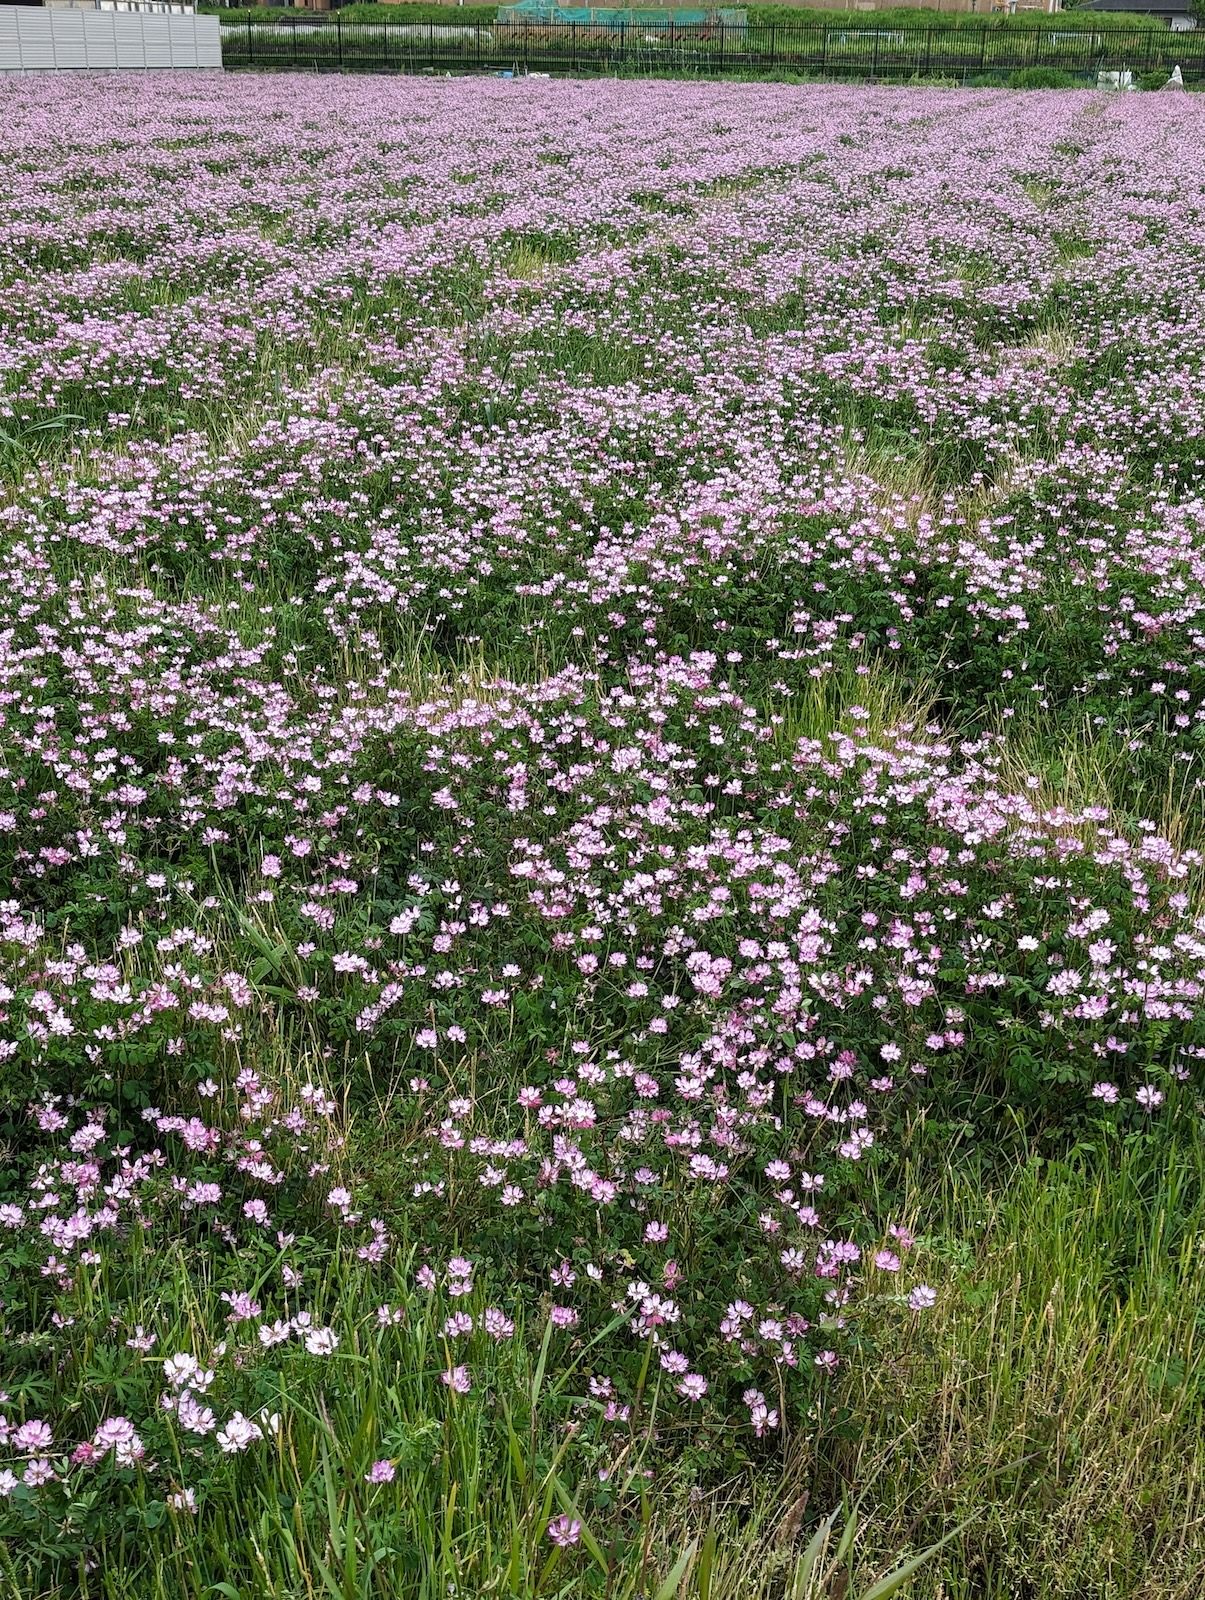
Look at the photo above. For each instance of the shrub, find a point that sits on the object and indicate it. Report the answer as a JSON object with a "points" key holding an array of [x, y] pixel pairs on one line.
{"points": [[1041, 78]]}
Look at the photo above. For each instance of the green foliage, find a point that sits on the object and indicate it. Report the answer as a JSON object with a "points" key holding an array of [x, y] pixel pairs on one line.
{"points": [[923, 17], [1056, 1406], [411, 11], [1041, 78], [407, 11]]}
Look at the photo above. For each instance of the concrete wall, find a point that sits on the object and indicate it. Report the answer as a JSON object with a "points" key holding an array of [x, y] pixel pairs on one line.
{"points": [[33, 39]]}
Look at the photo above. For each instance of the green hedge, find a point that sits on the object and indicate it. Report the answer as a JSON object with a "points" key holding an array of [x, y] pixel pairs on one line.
{"points": [[782, 16], [1041, 78], [456, 16], [921, 17]]}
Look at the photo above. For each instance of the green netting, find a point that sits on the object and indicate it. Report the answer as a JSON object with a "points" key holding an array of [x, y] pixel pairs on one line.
{"points": [[619, 16]]}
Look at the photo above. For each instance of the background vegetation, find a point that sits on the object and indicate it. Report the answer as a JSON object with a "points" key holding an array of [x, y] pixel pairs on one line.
{"points": [[766, 16]]}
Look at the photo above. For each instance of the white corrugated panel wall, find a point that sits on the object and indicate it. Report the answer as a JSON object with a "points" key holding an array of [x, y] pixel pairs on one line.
{"points": [[100, 45], [157, 40], [34, 40], [128, 35], [209, 43]]}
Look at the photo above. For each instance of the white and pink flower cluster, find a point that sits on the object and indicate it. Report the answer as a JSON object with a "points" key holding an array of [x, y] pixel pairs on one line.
{"points": [[527, 691]]}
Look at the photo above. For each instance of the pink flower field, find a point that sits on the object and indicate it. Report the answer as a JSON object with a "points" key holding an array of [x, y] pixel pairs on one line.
{"points": [[602, 694]]}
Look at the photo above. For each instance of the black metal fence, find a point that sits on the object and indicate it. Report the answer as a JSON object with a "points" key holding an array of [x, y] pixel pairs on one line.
{"points": [[854, 49]]}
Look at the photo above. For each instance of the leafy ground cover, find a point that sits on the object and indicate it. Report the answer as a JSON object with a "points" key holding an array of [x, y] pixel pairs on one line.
{"points": [[602, 842]]}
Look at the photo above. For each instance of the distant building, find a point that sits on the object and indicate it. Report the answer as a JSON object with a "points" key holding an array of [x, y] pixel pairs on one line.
{"points": [[1177, 14]]}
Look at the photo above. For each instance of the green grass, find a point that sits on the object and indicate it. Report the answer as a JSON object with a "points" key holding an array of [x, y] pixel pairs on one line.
{"points": [[1056, 1406], [1048, 1418]]}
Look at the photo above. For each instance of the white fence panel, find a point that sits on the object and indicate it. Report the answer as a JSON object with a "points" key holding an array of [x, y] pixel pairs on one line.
{"points": [[99, 41], [67, 39], [33, 40], [183, 45], [209, 44], [157, 40], [128, 34], [35, 45]]}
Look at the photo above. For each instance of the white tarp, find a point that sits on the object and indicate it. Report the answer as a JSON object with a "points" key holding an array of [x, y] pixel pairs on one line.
{"points": [[32, 39]]}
